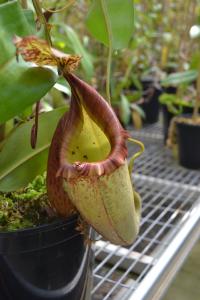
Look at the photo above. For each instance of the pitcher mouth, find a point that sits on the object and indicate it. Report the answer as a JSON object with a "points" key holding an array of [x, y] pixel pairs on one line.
{"points": [[95, 142]]}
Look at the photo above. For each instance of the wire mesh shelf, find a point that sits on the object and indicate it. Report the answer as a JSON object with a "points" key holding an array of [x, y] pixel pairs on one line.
{"points": [[171, 200]]}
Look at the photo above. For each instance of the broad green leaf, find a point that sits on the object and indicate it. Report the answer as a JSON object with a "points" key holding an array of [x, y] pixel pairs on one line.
{"points": [[12, 22], [79, 49], [120, 16], [30, 19], [20, 85], [179, 78], [19, 163], [124, 110]]}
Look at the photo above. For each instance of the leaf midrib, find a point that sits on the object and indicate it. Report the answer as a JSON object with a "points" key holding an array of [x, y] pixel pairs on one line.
{"points": [[22, 161]]}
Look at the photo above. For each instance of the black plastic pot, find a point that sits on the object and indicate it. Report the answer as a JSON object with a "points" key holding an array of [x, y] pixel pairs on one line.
{"points": [[167, 117], [48, 262], [150, 105], [188, 138], [170, 89], [151, 108]]}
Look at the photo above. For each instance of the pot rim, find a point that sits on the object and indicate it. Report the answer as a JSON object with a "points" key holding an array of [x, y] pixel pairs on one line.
{"points": [[187, 116], [41, 228]]}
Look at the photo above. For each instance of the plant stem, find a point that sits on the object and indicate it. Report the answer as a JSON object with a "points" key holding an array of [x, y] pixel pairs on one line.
{"points": [[108, 74], [60, 9], [183, 39], [34, 130], [42, 19], [24, 4], [197, 101], [110, 49], [120, 87]]}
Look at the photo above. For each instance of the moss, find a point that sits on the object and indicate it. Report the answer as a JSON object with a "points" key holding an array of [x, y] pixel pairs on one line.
{"points": [[26, 208]]}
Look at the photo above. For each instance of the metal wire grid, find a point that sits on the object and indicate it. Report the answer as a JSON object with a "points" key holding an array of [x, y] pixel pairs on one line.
{"points": [[153, 132], [166, 206], [158, 161]]}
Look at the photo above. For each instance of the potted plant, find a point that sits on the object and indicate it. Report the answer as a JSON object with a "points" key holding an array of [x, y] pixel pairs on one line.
{"points": [[184, 134], [136, 99], [177, 52], [178, 96], [149, 103], [41, 255], [124, 100], [85, 165]]}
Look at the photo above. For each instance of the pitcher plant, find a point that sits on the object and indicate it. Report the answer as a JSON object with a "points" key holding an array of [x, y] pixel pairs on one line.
{"points": [[88, 171]]}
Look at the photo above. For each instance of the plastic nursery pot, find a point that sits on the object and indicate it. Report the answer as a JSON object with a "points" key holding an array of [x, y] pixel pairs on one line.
{"points": [[188, 138], [170, 89], [151, 108], [47, 262], [147, 82], [150, 105], [167, 117]]}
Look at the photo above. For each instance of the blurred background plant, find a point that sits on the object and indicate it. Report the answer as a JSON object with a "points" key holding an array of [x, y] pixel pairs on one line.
{"points": [[160, 45]]}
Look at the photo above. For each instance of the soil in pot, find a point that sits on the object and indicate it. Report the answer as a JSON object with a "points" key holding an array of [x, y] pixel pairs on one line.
{"points": [[46, 262], [26, 208], [188, 140]]}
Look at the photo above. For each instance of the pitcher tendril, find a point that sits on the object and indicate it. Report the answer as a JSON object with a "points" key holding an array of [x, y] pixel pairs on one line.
{"points": [[34, 130], [136, 155]]}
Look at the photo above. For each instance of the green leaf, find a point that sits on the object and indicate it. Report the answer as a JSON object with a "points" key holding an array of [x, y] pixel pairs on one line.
{"points": [[120, 16], [78, 48], [136, 82], [195, 61], [138, 109], [124, 110], [19, 163], [174, 103], [167, 98], [179, 78], [3, 1], [20, 85], [135, 96], [63, 88], [30, 18]]}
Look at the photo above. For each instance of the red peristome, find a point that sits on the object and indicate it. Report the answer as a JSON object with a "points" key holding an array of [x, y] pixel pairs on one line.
{"points": [[101, 113], [56, 194]]}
